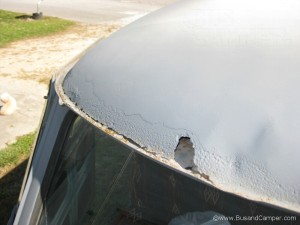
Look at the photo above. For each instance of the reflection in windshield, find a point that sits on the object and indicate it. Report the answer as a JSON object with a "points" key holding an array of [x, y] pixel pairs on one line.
{"points": [[98, 180]]}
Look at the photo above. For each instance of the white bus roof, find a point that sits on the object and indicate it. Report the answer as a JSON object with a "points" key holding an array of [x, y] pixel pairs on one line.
{"points": [[223, 73]]}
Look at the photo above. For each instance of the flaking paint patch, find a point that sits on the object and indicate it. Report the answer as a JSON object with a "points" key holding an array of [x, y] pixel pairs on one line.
{"points": [[199, 174], [205, 172], [158, 156]]}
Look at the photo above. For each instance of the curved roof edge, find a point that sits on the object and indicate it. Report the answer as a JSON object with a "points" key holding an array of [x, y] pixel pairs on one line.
{"points": [[232, 90]]}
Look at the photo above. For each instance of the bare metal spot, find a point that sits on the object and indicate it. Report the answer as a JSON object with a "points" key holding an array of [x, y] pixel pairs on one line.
{"points": [[206, 177], [184, 153]]}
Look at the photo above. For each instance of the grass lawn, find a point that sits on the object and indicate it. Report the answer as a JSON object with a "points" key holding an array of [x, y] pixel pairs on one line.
{"points": [[13, 161], [17, 26], [15, 153]]}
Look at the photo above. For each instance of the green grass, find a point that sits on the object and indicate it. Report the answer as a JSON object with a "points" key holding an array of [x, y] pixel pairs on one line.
{"points": [[13, 28], [10, 186], [13, 161], [12, 154]]}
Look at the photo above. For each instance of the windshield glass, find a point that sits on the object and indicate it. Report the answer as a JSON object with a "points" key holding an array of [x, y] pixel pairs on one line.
{"points": [[98, 180]]}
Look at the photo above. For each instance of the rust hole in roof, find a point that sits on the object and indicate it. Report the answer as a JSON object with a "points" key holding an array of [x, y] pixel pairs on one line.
{"points": [[184, 153]]}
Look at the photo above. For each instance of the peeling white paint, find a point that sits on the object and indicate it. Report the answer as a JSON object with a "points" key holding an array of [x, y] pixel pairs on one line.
{"points": [[232, 87]]}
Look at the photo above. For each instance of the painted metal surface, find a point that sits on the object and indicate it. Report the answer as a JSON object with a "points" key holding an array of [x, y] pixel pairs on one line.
{"points": [[223, 73], [30, 204]]}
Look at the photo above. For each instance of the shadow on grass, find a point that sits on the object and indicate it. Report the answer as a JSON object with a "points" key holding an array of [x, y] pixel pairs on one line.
{"points": [[34, 16], [10, 186], [24, 17]]}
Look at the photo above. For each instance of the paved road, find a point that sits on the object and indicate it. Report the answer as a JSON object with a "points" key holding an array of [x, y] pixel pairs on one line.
{"points": [[90, 11]]}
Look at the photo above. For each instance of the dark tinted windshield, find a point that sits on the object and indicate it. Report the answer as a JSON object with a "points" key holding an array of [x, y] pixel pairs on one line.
{"points": [[98, 180]]}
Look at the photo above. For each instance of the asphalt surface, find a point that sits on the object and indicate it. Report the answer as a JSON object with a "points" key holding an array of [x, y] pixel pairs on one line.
{"points": [[88, 11]]}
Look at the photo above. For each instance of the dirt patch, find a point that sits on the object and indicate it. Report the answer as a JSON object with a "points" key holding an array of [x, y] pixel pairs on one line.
{"points": [[38, 59], [27, 66]]}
